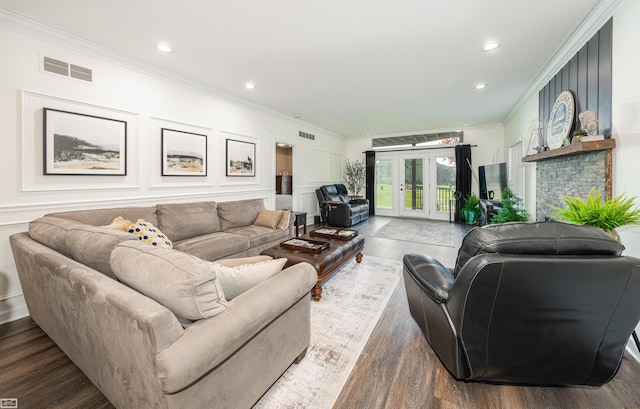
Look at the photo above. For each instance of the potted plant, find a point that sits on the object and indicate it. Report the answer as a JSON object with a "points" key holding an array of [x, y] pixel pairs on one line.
{"points": [[512, 210], [606, 214], [355, 176], [470, 212]]}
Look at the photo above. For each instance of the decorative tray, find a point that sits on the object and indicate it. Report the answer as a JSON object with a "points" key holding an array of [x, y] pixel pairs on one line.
{"points": [[308, 245], [331, 233]]}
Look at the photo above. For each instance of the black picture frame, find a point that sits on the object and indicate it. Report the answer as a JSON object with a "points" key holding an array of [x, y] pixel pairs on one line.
{"points": [[240, 158], [82, 144], [183, 153]]}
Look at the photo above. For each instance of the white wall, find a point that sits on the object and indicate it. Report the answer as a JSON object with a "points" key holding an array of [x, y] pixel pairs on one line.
{"points": [[488, 138], [147, 101], [625, 112]]}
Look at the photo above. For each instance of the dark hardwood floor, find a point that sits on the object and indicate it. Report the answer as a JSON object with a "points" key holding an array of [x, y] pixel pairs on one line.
{"points": [[397, 368]]}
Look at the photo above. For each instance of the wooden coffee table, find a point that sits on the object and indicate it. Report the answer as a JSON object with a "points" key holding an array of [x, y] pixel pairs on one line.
{"points": [[326, 262]]}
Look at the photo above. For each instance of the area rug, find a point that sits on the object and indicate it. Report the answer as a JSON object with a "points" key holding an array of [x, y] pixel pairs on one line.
{"points": [[436, 232], [341, 322]]}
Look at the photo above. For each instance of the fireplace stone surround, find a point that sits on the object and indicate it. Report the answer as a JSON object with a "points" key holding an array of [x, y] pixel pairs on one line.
{"points": [[572, 170]]}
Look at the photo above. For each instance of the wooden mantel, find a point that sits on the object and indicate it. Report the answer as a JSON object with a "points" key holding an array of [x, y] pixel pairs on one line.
{"points": [[583, 147], [573, 149]]}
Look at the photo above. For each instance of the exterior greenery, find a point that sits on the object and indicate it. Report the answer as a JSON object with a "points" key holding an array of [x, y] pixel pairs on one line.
{"points": [[512, 210], [355, 176], [608, 215]]}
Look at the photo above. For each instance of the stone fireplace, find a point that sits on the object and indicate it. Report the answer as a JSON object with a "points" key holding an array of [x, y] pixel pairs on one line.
{"points": [[572, 170]]}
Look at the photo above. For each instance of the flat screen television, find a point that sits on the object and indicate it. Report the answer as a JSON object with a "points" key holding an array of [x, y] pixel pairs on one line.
{"points": [[493, 180]]}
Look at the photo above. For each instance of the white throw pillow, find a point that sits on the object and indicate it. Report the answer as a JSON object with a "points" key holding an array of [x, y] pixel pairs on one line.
{"points": [[238, 279], [185, 284]]}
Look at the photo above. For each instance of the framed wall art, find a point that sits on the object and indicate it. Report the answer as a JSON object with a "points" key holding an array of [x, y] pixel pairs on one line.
{"points": [[241, 158], [560, 120], [80, 144], [183, 153]]}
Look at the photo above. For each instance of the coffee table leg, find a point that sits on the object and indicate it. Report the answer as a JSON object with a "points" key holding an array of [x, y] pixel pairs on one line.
{"points": [[316, 292], [359, 258]]}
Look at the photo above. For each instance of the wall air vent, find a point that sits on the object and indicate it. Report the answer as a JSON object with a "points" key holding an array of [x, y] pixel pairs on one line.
{"points": [[306, 135], [68, 70]]}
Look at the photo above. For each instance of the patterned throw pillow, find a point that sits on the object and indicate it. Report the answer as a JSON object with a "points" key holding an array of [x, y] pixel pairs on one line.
{"points": [[148, 233]]}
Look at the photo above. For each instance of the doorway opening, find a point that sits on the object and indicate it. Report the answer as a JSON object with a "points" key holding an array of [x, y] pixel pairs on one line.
{"points": [[284, 176]]}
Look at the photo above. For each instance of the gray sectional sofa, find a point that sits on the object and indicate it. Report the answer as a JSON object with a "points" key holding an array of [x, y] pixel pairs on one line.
{"points": [[78, 280]]}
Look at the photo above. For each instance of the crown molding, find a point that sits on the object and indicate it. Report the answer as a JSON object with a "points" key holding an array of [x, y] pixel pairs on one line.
{"points": [[589, 26], [50, 34]]}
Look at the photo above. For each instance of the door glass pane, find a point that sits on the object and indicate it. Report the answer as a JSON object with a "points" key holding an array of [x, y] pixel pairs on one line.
{"points": [[446, 182], [413, 184], [384, 183]]}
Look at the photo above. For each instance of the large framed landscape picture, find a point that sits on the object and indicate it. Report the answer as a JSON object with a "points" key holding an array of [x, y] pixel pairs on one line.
{"points": [[80, 144], [183, 153], [241, 158]]}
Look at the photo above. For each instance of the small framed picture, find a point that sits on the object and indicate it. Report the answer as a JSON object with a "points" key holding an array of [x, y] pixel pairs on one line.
{"points": [[183, 153], [80, 144], [241, 158]]}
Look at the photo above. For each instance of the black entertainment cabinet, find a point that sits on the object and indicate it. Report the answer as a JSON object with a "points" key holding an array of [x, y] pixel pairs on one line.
{"points": [[487, 209]]}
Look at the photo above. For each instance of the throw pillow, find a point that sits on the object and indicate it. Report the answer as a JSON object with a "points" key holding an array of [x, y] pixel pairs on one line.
{"points": [[234, 262], [284, 221], [148, 233], [236, 280], [185, 284], [268, 218], [119, 223]]}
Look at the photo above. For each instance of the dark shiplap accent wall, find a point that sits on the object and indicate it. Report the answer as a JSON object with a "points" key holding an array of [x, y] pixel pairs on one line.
{"points": [[588, 76]]}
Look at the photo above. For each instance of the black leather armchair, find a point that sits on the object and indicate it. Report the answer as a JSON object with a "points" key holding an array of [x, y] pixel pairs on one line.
{"points": [[544, 303], [337, 209]]}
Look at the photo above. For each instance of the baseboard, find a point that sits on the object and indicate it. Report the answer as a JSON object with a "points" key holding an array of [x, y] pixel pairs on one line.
{"points": [[13, 308]]}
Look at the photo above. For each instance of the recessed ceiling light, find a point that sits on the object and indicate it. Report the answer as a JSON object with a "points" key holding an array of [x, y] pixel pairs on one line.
{"points": [[250, 85], [480, 86], [490, 46], [164, 48], [297, 115]]}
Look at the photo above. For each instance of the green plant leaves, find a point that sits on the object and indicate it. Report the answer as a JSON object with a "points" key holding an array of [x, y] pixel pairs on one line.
{"points": [[594, 211]]}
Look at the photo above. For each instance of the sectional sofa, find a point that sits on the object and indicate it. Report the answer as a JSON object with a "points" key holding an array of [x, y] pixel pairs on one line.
{"points": [[150, 325]]}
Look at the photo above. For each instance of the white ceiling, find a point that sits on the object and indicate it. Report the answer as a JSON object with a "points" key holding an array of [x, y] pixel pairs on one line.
{"points": [[349, 66]]}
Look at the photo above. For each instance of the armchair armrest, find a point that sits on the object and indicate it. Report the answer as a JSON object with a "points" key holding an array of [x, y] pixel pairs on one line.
{"points": [[435, 279], [359, 201]]}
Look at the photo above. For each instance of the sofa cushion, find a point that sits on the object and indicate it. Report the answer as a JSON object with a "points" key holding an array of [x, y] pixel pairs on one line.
{"points": [[238, 279], [101, 217], [52, 232], [258, 235], [269, 218], [184, 220], [215, 245], [149, 234], [92, 246], [239, 213], [181, 282]]}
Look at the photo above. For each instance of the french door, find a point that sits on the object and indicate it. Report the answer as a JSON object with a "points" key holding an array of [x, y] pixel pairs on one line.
{"points": [[415, 183]]}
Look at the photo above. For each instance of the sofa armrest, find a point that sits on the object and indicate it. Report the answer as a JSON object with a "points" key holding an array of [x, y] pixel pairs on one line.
{"points": [[209, 342], [435, 279], [96, 320]]}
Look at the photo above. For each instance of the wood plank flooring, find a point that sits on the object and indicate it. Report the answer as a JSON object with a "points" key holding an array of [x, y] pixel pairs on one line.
{"points": [[397, 368]]}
